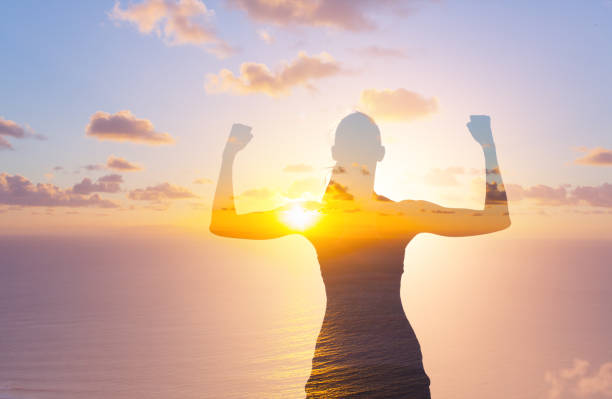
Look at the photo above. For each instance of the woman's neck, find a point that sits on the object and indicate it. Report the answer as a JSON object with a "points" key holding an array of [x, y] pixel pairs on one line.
{"points": [[353, 180]]}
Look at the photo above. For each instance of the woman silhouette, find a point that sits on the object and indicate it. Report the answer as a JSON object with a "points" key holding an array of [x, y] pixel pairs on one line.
{"points": [[366, 347]]}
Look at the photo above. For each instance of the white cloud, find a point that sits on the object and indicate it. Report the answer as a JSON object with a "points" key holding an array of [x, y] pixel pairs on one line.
{"points": [[160, 193]]}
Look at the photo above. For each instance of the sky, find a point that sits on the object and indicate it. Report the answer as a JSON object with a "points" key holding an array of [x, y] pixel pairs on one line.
{"points": [[114, 114]]}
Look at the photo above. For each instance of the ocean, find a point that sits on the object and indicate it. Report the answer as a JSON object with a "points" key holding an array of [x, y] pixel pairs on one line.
{"points": [[183, 316]]}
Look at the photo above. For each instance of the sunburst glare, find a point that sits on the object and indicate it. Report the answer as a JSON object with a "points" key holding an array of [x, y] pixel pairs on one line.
{"points": [[299, 218]]}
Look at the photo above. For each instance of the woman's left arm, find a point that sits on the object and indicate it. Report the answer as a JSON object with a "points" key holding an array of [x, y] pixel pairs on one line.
{"points": [[427, 217]]}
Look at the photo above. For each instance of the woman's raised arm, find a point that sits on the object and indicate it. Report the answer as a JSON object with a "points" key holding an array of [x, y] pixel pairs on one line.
{"points": [[431, 218], [225, 221]]}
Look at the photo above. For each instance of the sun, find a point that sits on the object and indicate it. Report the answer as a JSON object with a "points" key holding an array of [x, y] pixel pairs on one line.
{"points": [[300, 218]]}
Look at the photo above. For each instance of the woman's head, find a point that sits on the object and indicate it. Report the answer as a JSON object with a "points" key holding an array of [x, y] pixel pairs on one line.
{"points": [[357, 140]]}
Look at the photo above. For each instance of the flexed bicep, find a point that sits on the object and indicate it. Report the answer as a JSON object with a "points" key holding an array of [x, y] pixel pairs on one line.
{"points": [[427, 217], [225, 221], [253, 226], [458, 222]]}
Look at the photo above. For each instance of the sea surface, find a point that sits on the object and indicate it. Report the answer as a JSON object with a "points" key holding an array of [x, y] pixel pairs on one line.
{"points": [[181, 316]]}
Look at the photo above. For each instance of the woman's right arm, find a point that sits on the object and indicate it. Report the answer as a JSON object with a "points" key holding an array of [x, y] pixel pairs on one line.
{"points": [[240, 136], [225, 221]]}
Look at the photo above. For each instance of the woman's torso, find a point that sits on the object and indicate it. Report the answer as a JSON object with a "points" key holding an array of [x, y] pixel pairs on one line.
{"points": [[365, 338]]}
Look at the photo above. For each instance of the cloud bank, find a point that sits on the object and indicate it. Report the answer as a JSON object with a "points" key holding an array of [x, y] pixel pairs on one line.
{"points": [[258, 78], [160, 193], [17, 190], [123, 126], [105, 184], [596, 196]]}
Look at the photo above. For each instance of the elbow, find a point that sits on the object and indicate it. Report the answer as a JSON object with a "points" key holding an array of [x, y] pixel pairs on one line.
{"points": [[505, 223], [214, 228], [497, 224], [223, 225], [223, 231]]}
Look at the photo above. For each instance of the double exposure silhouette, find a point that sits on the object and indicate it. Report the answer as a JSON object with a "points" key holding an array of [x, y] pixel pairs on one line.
{"points": [[366, 347]]}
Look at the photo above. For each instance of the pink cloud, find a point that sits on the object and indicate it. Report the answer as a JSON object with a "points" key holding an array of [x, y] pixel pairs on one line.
{"points": [[597, 157], [93, 167], [17, 190], [397, 105], [258, 78], [596, 196], [4, 144], [575, 382], [123, 126], [177, 22], [353, 15], [544, 195], [105, 184], [120, 164], [11, 129], [598, 383], [161, 192]]}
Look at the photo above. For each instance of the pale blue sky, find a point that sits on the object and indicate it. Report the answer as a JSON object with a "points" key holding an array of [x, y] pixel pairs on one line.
{"points": [[540, 69]]}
